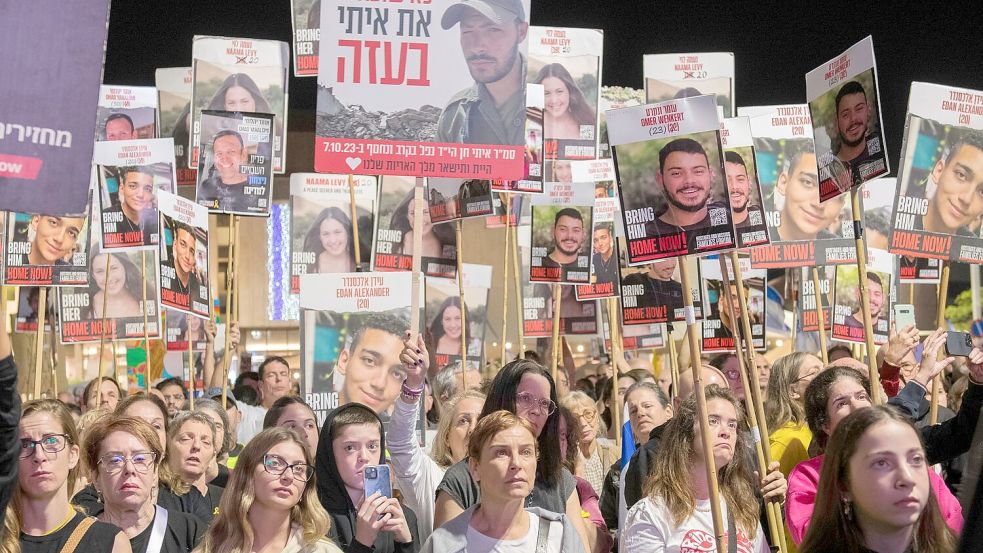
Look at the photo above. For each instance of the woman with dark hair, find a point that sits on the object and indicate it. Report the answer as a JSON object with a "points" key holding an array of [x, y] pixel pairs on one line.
{"points": [[239, 93], [526, 389], [874, 492], [331, 238], [446, 329], [294, 413], [838, 391], [435, 239], [676, 507], [123, 286], [566, 110]]}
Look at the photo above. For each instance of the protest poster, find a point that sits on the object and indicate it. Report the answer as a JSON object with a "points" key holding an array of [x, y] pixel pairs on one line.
{"points": [[576, 317], [130, 174], [46, 135], [719, 328], [352, 332], [111, 306], [240, 75], [443, 315], [403, 91], [848, 319], [394, 235], [500, 218], [846, 120], [534, 162], [453, 199], [919, 270], [235, 166], [174, 102], [322, 233], [306, 18], [804, 231], [639, 337], [176, 331], [653, 293], [671, 179], [614, 97], [126, 112], [28, 302], [939, 206], [806, 305], [561, 220], [46, 250], [567, 63], [183, 255], [605, 279], [742, 182], [598, 171], [674, 76]]}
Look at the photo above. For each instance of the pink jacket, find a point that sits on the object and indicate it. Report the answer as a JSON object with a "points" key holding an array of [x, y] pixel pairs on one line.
{"points": [[804, 479]]}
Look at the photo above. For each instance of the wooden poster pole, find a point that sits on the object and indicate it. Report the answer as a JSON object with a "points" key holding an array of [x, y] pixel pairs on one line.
{"points": [[701, 407], [820, 316], [752, 394], [556, 330], [102, 330], [417, 254], [460, 292], [39, 340], [933, 413], [507, 198], [673, 360], [191, 367], [858, 234], [519, 316], [146, 331], [614, 330], [354, 215]]}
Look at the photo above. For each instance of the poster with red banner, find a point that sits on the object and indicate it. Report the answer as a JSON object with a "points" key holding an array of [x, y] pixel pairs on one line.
{"points": [[404, 91], [183, 255], [306, 18], [51, 69]]}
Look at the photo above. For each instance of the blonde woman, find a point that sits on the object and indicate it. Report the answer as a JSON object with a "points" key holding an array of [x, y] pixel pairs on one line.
{"points": [[785, 409], [271, 504], [595, 457], [191, 438]]}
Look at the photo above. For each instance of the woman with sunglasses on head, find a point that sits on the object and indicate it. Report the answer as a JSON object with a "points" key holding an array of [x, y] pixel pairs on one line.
{"points": [[525, 389], [39, 517], [272, 503], [790, 436], [123, 456]]}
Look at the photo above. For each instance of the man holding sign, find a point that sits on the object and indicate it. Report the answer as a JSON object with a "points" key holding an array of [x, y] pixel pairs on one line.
{"points": [[493, 110]]}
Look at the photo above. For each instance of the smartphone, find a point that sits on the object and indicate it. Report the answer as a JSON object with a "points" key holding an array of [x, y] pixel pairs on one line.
{"points": [[904, 316], [958, 344], [377, 480]]}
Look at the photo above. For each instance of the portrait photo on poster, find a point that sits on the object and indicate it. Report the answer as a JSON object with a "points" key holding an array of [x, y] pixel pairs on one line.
{"points": [[447, 319], [46, 250], [451, 199], [394, 238], [28, 306], [174, 115], [177, 333], [938, 210], [743, 186], [722, 320], [605, 279], [560, 246], [184, 255], [653, 292], [235, 170], [848, 319], [306, 18], [576, 317], [126, 113]]}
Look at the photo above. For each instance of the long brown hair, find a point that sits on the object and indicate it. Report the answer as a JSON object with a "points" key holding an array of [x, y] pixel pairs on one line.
{"points": [[829, 523], [230, 531], [13, 521], [670, 479], [780, 407]]}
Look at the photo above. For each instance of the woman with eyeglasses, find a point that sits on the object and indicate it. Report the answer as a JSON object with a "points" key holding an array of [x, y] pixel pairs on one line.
{"points": [[39, 517], [123, 456], [785, 411], [596, 457], [525, 389], [272, 502]]}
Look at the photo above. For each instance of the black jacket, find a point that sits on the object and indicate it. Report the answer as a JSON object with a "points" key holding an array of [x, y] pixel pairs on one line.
{"points": [[9, 429], [641, 465], [336, 501], [949, 439]]}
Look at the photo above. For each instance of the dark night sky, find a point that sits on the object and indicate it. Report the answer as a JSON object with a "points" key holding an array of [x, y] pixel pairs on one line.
{"points": [[775, 43]]}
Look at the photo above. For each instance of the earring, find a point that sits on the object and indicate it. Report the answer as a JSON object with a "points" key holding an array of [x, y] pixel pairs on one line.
{"points": [[847, 509]]}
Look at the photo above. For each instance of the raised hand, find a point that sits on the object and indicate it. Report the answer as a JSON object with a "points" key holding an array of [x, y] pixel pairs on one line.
{"points": [[415, 359]]}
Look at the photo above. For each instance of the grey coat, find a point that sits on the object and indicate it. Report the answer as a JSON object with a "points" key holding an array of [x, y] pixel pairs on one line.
{"points": [[452, 537]]}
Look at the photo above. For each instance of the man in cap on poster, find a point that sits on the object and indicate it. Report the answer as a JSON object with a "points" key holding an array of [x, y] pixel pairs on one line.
{"points": [[686, 181], [493, 110]]}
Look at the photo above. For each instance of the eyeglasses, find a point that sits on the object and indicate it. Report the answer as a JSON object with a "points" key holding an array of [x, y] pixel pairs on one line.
{"points": [[588, 415], [276, 465], [50, 443], [113, 463], [526, 400]]}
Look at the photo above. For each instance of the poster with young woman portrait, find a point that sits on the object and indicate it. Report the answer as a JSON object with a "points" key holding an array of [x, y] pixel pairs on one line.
{"points": [[176, 334], [674, 76], [322, 232], [235, 169], [443, 314], [394, 236], [126, 112], [183, 253], [112, 305], [130, 174], [244, 75], [174, 116], [46, 250]]}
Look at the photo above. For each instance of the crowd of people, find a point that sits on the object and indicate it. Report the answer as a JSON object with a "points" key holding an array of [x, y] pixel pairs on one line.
{"points": [[520, 462]]}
